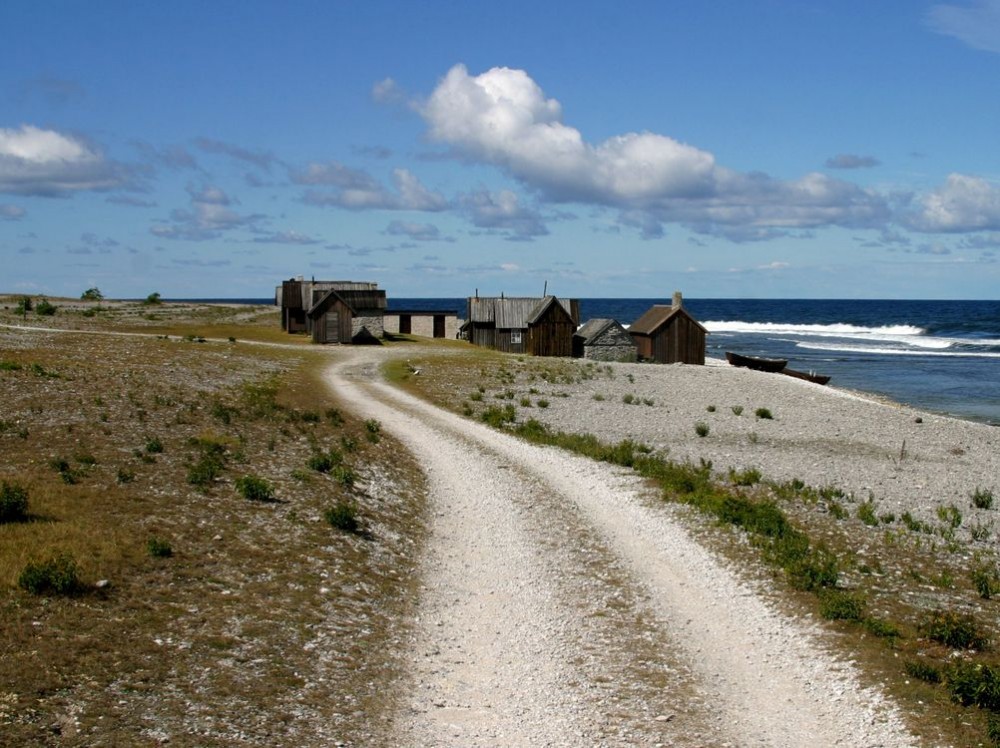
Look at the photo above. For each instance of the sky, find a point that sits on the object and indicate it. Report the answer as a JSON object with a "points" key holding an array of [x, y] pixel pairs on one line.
{"points": [[726, 148]]}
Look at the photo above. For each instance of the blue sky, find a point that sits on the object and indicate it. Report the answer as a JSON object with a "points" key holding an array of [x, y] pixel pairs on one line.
{"points": [[774, 148]]}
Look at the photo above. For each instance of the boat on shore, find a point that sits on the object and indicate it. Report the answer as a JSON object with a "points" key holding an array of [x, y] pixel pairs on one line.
{"points": [[772, 365], [809, 376]]}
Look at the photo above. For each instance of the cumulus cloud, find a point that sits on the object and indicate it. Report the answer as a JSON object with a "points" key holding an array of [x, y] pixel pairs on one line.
{"points": [[502, 211], [11, 212], [976, 24], [208, 217], [503, 117], [48, 163], [963, 203], [387, 91], [358, 190], [851, 161]]}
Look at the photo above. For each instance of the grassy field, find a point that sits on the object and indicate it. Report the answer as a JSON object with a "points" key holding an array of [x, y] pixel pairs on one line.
{"points": [[213, 551]]}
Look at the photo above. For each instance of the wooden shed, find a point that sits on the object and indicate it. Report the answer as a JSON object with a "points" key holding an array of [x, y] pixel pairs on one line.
{"points": [[347, 316], [604, 340], [539, 326], [667, 334], [297, 296]]}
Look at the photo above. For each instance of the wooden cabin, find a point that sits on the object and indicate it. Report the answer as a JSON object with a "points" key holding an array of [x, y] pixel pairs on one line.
{"points": [[332, 311], [604, 340], [667, 334], [428, 323], [537, 326]]}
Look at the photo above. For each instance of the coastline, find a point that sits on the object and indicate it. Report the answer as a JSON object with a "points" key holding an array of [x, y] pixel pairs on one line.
{"points": [[902, 458]]}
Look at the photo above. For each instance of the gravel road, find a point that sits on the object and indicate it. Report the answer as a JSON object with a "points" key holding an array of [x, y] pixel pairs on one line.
{"points": [[562, 605]]}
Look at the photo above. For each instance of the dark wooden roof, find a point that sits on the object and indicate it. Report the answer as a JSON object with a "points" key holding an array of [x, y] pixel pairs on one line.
{"points": [[656, 317], [513, 313], [354, 299]]}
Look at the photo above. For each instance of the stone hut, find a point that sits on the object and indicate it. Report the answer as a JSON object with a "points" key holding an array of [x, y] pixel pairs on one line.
{"points": [[604, 340]]}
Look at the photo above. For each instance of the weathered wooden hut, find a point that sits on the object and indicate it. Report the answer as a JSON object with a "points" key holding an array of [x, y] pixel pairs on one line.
{"points": [[428, 323], [667, 334], [538, 326], [603, 340], [347, 316]]}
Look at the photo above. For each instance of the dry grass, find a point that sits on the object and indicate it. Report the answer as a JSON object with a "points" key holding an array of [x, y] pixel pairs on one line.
{"points": [[265, 626]]}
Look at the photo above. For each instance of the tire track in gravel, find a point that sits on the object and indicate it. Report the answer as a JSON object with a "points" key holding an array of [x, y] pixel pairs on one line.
{"points": [[559, 608]]}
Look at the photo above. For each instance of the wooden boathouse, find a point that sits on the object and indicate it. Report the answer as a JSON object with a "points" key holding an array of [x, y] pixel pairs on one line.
{"points": [[667, 334], [537, 326]]}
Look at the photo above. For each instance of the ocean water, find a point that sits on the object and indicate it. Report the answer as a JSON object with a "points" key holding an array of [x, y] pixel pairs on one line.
{"points": [[942, 356]]}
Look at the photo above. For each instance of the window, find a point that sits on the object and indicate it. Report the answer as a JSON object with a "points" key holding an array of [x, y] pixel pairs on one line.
{"points": [[515, 337]]}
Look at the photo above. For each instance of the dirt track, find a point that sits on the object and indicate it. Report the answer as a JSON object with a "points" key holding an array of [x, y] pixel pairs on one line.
{"points": [[562, 605]]}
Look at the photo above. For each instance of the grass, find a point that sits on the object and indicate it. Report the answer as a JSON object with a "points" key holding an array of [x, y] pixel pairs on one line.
{"points": [[258, 585]]}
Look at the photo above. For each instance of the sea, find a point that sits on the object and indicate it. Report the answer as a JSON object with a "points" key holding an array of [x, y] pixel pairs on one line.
{"points": [[939, 356]]}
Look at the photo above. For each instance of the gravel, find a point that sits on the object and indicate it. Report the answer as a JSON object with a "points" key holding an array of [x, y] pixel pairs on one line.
{"points": [[560, 606]]}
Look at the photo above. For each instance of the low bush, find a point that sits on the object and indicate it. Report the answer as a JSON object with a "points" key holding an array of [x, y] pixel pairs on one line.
{"points": [[159, 548], [882, 629], [764, 413], [56, 576], [344, 475], [737, 410], [343, 515], [748, 477], [986, 580], [154, 446], [44, 308], [924, 671], [955, 630], [254, 488], [324, 462], [701, 429], [840, 605], [497, 416], [866, 513], [13, 503], [975, 684], [982, 499]]}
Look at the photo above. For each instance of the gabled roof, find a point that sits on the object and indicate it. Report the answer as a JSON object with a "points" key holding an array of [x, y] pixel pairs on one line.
{"points": [[512, 313], [353, 299], [656, 317], [595, 328]]}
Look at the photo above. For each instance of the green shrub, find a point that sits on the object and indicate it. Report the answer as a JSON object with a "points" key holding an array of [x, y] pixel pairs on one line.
{"points": [[840, 605], [310, 416], [344, 475], [710, 408], [628, 399], [13, 503], [598, 397], [950, 515], [748, 477], [701, 429], [737, 410], [334, 417], [975, 684], [763, 413], [154, 446], [866, 513], [92, 294], [913, 524], [324, 462], [525, 402], [497, 416], [124, 476], [476, 397], [882, 629], [543, 404], [837, 510], [153, 299], [955, 630], [44, 308], [373, 430], [58, 576], [982, 499], [924, 671], [986, 580], [253, 488], [159, 548], [343, 515]]}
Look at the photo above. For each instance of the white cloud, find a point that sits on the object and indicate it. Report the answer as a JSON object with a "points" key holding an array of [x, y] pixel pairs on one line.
{"points": [[285, 237], [962, 203], [977, 24], [208, 217], [34, 161], [358, 190], [502, 117], [387, 91], [502, 211]]}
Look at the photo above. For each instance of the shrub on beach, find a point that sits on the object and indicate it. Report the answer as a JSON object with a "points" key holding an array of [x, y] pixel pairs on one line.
{"points": [[763, 413], [343, 515], [982, 499]]}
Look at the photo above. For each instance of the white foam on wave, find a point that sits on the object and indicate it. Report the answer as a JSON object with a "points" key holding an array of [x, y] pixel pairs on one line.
{"points": [[895, 351], [840, 330]]}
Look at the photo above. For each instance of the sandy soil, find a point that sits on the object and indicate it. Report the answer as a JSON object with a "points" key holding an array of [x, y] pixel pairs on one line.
{"points": [[562, 606]]}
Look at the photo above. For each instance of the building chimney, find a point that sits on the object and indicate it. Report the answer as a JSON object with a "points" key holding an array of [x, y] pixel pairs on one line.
{"points": [[677, 303]]}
